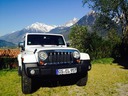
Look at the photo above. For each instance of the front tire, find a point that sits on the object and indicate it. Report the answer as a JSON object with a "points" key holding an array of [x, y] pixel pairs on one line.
{"points": [[26, 83], [82, 81]]}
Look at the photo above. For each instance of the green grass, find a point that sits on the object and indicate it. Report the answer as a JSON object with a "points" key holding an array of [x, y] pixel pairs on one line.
{"points": [[104, 80], [103, 61]]}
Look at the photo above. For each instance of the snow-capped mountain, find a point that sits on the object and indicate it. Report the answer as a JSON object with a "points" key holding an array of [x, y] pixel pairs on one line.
{"points": [[15, 37], [37, 27], [89, 19], [40, 27], [47, 28], [71, 22], [65, 27]]}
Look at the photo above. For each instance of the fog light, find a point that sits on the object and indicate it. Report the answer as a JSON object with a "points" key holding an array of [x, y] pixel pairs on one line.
{"points": [[32, 72]]}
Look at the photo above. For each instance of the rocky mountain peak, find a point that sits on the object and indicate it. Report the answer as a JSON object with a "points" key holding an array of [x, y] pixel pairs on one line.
{"points": [[71, 22], [40, 27]]}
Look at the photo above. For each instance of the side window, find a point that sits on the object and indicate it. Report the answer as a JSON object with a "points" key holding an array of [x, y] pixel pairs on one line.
{"points": [[29, 41]]}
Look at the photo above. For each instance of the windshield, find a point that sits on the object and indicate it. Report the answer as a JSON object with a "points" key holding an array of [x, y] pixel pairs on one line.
{"points": [[45, 40]]}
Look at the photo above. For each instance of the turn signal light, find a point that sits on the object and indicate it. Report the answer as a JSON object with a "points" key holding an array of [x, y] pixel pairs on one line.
{"points": [[41, 62], [22, 59], [78, 60]]}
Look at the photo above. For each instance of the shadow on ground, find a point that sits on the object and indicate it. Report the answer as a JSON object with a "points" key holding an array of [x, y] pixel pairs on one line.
{"points": [[50, 82], [122, 62]]}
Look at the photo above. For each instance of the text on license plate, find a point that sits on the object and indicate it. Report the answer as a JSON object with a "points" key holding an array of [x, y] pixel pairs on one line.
{"points": [[66, 71]]}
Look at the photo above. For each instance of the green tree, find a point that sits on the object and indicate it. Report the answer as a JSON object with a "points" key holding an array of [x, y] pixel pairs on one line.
{"points": [[96, 46], [113, 37], [115, 42], [92, 43], [77, 36], [116, 10], [103, 24]]}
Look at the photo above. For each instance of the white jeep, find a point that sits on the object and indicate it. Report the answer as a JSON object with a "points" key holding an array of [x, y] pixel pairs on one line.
{"points": [[47, 55]]}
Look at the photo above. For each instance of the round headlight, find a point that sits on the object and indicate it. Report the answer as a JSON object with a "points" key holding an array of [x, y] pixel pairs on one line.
{"points": [[76, 54], [43, 55]]}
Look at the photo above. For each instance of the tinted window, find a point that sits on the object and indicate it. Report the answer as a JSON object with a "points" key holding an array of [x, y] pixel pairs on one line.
{"points": [[45, 40]]}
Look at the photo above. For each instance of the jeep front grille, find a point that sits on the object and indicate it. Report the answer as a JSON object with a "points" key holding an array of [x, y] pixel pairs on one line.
{"points": [[60, 58]]}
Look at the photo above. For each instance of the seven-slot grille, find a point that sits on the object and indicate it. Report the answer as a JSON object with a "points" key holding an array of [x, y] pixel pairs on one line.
{"points": [[60, 58]]}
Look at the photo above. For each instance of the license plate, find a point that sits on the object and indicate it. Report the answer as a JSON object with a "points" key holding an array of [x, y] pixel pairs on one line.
{"points": [[66, 71]]}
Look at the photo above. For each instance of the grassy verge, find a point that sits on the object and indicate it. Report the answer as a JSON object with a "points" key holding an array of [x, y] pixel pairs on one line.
{"points": [[103, 61], [104, 80]]}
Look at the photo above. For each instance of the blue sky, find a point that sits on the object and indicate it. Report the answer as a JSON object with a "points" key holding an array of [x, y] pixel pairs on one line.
{"points": [[17, 14]]}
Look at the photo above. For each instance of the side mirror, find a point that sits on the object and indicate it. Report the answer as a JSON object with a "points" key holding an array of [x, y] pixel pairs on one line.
{"points": [[68, 44], [21, 44]]}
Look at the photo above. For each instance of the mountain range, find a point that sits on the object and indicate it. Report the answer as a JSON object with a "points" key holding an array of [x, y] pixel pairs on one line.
{"points": [[4, 43], [37, 27]]}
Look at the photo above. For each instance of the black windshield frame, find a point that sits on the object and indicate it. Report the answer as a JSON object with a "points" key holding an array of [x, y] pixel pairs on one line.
{"points": [[45, 40]]}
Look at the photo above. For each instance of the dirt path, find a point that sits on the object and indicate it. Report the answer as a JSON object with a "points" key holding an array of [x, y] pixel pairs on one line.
{"points": [[122, 89]]}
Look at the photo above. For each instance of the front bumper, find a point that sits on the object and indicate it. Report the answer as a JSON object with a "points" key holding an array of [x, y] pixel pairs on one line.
{"points": [[51, 70]]}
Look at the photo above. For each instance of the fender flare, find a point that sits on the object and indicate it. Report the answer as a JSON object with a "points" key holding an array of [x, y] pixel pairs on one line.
{"points": [[29, 58], [19, 60], [84, 56]]}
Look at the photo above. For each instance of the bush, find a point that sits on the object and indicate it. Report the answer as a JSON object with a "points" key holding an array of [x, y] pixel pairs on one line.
{"points": [[8, 63], [97, 47], [77, 37]]}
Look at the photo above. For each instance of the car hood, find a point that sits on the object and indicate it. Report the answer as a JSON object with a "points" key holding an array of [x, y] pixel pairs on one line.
{"points": [[37, 49]]}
